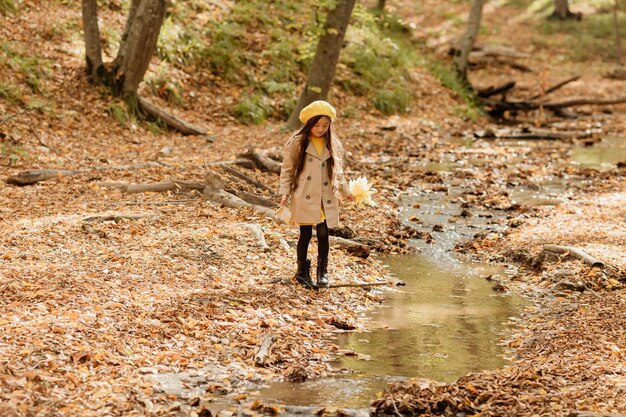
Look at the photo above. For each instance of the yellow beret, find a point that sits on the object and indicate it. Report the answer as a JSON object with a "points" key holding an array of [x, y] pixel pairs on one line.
{"points": [[317, 108]]}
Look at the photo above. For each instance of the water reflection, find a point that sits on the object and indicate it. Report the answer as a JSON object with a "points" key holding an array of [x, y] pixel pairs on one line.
{"points": [[443, 324], [603, 155]]}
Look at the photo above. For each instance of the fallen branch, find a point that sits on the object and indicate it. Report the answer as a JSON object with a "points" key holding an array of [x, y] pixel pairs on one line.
{"points": [[495, 50], [214, 191], [116, 217], [264, 351], [172, 121], [575, 253], [158, 187], [502, 106], [555, 87], [36, 175], [350, 246], [246, 163], [244, 177], [492, 91], [362, 285], [593, 414], [131, 166], [531, 133], [158, 203], [492, 54], [479, 62], [257, 232], [253, 198], [263, 162]]}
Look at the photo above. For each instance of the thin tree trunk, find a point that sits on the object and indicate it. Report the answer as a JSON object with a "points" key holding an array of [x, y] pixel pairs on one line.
{"points": [[381, 5], [324, 63], [137, 46], [93, 53], [141, 33], [618, 39], [561, 9], [461, 53]]}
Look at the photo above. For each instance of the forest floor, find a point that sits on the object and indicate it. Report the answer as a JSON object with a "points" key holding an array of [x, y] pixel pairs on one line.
{"points": [[96, 303]]}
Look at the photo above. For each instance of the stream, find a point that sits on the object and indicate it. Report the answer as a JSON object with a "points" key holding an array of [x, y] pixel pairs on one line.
{"points": [[447, 320], [443, 324]]}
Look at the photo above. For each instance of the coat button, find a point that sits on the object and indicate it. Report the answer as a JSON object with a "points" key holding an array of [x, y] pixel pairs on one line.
{"points": [[326, 183], [308, 178], [308, 197], [311, 159], [328, 201], [323, 164]]}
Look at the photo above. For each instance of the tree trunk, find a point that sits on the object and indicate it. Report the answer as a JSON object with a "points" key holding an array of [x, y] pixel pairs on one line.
{"points": [[381, 5], [562, 11], [137, 46], [141, 33], [93, 53], [461, 53], [618, 39], [324, 63]]}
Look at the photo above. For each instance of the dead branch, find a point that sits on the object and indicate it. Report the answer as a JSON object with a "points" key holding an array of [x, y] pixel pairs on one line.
{"points": [[131, 166], [264, 351], [244, 177], [157, 187], [172, 121], [492, 54], [496, 50], [362, 285], [33, 176], [485, 61], [37, 175], [262, 162], [492, 91], [116, 217], [158, 203], [575, 253], [214, 191], [555, 87], [257, 232], [253, 198], [246, 163], [502, 106], [531, 133], [354, 248]]}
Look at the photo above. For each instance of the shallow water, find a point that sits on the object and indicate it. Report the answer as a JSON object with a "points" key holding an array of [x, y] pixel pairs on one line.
{"points": [[603, 155], [447, 320], [443, 324]]}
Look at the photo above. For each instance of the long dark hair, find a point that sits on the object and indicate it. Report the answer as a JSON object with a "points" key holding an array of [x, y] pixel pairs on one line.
{"points": [[304, 134]]}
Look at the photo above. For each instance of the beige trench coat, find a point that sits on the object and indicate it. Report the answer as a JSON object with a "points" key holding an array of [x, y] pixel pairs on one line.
{"points": [[315, 189]]}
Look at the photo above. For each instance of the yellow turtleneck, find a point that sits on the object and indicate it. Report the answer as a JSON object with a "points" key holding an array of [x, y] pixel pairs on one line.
{"points": [[318, 143]]}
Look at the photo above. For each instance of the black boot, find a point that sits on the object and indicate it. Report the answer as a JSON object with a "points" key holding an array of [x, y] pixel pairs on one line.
{"points": [[322, 272], [303, 275]]}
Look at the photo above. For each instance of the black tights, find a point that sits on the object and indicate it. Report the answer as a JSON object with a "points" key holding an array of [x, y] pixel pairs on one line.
{"points": [[306, 232]]}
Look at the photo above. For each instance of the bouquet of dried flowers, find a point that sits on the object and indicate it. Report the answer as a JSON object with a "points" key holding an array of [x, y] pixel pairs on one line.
{"points": [[362, 191]]}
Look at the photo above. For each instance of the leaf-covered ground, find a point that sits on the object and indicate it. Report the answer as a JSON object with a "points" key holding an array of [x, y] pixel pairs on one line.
{"points": [[92, 312]]}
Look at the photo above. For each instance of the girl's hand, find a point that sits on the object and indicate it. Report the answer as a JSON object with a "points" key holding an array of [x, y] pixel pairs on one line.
{"points": [[283, 201]]}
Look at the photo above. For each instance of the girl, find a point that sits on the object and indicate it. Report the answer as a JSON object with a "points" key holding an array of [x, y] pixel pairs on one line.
{"points": [[312, 176]]}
